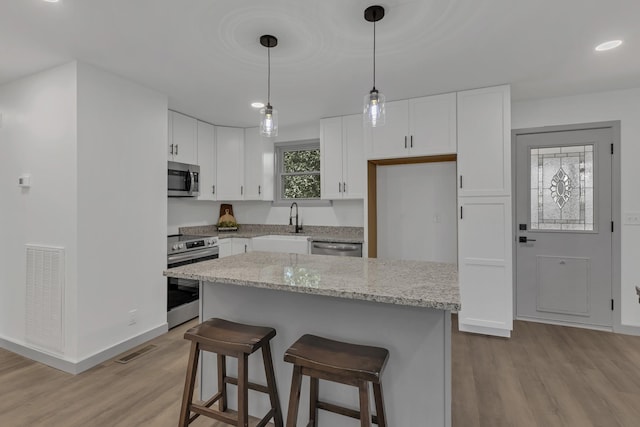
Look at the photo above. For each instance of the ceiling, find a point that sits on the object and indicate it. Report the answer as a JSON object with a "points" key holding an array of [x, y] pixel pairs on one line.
{"points": [[205, 54]]}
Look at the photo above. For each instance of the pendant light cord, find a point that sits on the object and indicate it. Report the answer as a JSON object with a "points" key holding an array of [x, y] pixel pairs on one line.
{"points": [[269, 76], [374, 53]]}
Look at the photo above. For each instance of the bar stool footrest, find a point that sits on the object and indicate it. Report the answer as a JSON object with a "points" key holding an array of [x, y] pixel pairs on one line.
{"points": [[341, 410], [252, 386], [212, 413]]}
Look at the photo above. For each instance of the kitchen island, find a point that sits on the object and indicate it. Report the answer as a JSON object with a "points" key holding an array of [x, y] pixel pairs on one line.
{"points": [[404, 306]]}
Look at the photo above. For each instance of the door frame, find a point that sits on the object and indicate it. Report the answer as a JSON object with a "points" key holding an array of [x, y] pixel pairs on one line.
{"points": [[616, 217]]}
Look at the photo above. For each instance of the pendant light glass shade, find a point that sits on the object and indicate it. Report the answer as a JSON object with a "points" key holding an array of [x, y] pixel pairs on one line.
{"points": [[268, 115], [269, 121], [374, 112]]}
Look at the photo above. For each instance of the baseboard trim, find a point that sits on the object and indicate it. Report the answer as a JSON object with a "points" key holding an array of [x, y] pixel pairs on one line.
{"points": [[627, 330], [561, 323], [483, 330], [76, 367]]}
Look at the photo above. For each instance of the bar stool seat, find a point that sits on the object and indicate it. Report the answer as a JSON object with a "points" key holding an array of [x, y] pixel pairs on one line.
{"points": [[345, 363], [237, 340]]}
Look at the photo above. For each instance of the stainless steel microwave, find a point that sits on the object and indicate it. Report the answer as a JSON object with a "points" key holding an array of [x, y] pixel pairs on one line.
{"points": [[183, 180]]}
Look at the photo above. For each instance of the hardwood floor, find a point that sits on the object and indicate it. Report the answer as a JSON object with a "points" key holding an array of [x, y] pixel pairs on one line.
{"points": [[543, 376]]}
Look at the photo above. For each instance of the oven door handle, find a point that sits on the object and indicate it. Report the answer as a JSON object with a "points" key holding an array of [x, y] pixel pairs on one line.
{"points": [[171, 259]]}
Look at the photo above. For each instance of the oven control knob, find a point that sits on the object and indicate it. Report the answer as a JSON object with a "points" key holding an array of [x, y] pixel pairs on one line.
{"points": [[181, 246], [174, 247], [210, 242]]}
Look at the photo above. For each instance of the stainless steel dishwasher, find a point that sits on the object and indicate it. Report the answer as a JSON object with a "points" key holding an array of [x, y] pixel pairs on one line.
{"points": [[337, 249]]}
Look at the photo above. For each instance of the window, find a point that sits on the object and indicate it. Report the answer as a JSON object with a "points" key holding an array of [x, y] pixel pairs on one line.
{"points": [[298, 172]]}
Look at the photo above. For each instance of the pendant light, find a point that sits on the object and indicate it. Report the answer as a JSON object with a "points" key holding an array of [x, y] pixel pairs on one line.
{"points": [[268, 115], [374, 101]]}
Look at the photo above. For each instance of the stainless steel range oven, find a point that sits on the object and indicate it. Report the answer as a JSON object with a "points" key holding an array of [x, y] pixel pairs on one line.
{"points": [[183, 295]]}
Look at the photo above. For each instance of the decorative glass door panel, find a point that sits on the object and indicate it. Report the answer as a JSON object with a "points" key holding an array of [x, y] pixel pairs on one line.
{"points": [[562, 188]]}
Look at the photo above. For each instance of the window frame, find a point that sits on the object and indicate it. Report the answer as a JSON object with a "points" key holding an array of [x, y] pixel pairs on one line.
{"points": [[280, 149]]}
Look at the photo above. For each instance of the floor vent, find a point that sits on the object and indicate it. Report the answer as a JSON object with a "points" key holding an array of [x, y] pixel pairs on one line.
{"points": [[129, 357]]}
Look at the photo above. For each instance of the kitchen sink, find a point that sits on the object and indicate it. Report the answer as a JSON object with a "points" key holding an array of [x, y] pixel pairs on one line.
{"points": [[288, 243]]}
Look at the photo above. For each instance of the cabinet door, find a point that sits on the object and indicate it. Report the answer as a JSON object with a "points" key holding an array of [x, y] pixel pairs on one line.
{"points": [[331, 158], [353, 162], [170, 136], [485, 265], [185, 131], [391, 139], [240, 245], [229, 163], [432, 125], [207, 161], [484, 142], [259, 166], [226, 248]]}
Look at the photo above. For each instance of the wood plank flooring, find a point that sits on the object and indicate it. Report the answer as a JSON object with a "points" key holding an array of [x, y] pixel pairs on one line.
{"points": [[544, 375]]}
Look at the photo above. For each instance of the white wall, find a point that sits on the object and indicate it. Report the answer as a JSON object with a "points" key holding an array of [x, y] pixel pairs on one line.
{"points": [[187, 212], [38, 137], [605, 106], [122, 209], [417, 212]]}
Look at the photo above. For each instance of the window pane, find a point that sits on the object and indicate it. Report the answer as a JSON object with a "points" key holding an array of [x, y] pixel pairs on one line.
{"points": [[562, 188], [301, 161], [301, 186]]}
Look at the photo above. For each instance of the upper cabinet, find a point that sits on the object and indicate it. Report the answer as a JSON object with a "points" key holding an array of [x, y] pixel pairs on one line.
{"points": [[183, 138], [416, 127], [258, 166], [229, 163], [484, 142], [342, 162], [207, 161]]}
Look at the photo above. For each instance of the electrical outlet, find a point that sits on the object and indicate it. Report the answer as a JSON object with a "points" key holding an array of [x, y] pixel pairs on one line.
{"points": [[133, 317], [632, 218]]}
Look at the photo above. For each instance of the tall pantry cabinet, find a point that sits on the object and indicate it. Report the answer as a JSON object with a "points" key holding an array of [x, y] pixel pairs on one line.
{"points": [[484, 211]]}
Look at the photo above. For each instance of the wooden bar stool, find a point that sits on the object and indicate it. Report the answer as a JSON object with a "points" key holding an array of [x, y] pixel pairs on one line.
{"points": [[234, 340], [351, 364]]}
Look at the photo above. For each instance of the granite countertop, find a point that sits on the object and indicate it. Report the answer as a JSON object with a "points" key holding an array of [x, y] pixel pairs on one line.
{"points": [[410, 283], [313, 232]]}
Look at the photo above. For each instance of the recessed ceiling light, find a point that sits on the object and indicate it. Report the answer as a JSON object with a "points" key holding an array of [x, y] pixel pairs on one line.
{"points": [[52, 1], [257, 104], [612, 44]]}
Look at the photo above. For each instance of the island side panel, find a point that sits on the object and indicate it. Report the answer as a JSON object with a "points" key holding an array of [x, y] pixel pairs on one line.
{"points": [[416, 381]]}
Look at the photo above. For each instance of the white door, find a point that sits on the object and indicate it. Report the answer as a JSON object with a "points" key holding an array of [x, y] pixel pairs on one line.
{"points": [[563, 226]]}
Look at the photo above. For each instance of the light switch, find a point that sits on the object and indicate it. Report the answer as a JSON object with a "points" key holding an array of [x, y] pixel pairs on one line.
{"points": [[24, 181], [632, 218]]}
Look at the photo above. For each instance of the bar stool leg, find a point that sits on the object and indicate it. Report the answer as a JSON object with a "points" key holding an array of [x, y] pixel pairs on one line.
{"points": [[243, 390], [271, 385], [377, 394], [189, 384], [313, 401], [222, 386], [365, 414], [294, 397]]}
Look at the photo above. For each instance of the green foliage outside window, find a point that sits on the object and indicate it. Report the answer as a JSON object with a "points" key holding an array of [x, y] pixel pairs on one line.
{"points": [[301, 174]]}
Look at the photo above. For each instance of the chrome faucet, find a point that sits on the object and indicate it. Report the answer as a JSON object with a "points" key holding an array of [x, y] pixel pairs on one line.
{"points": [[298, 227]]}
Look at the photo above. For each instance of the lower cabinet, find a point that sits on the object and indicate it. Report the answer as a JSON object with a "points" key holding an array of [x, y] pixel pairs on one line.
{"points": [[224, 245], [233, 246], [485, 265]]}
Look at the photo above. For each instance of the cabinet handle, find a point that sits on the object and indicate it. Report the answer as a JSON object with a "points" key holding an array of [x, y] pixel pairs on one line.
{"points": [[339, 188], [460, 181], [213, 189], [241, 193], [171, 148], [411, 141], [176, 149], [344, 187], [460, 212], [245, 249], [259, 189], [405, 141]]}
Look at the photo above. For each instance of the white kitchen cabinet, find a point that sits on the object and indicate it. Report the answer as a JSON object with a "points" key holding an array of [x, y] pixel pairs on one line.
{"points": [[485, 265], [240, 245], [423, 126], [259, 166], [484, 211], [207, 161], [183, 143], [229, 163], [225, 247], [342, 162], [484, 142]]}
